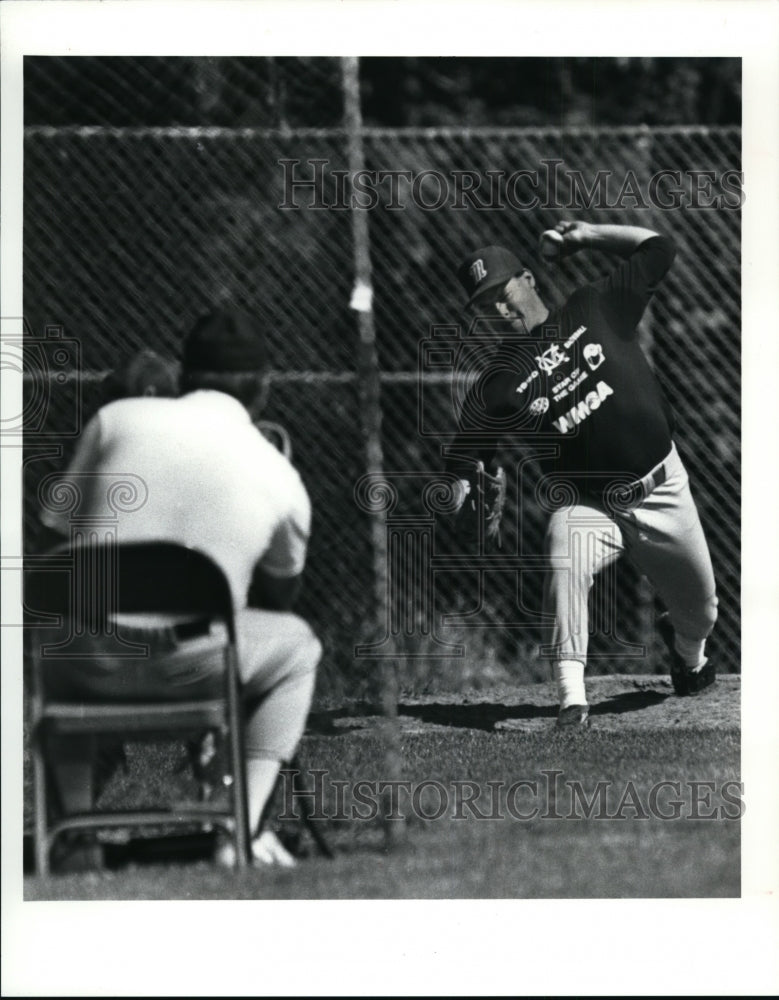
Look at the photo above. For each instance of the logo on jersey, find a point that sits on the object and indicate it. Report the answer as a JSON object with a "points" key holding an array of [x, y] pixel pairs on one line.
{"points": [[575, 336], [539, 406], [593, 355], [523, 385], [552, 358], [478, 271], [583, 409]]}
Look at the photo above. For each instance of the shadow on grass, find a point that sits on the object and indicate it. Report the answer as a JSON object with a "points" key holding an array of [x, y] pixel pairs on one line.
{"points": [[480, 716], [483, 715], [629, 701], [182, 849]]}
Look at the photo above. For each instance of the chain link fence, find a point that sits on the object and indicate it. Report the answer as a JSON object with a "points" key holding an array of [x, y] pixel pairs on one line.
{"points": [[132, 231]]}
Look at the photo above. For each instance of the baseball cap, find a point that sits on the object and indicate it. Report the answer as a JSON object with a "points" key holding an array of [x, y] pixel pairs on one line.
{"points": [[487, 268], [226, 340]]}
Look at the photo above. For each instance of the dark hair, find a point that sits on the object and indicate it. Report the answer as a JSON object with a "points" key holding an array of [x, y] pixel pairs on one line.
{"points": [[226, 341], [146, 374], [249, 388], [149, 374]]}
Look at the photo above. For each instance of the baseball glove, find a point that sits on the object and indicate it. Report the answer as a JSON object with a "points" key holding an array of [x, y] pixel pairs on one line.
{"points": [[482, 506], [493, 490]]}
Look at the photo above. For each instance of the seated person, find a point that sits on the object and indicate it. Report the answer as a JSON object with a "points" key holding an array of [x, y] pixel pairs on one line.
{"points": [[216, 484]]}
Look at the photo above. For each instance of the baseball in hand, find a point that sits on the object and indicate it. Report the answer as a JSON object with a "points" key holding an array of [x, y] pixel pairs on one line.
{"points": [[550, 245]]}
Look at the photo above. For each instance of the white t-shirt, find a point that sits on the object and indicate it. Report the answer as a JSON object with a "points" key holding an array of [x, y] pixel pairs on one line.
{"points": [[210, 479]]}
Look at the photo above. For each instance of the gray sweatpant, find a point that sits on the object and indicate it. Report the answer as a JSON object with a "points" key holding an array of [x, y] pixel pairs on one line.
{"points": [[278, 656]]}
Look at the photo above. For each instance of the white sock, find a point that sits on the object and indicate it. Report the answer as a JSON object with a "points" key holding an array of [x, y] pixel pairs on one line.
{"points": [[569, 675], [261, 777], [691, 651]]}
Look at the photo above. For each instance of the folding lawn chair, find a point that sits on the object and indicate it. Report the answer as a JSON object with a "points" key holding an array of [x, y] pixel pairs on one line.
{"points": [[86, 587]]}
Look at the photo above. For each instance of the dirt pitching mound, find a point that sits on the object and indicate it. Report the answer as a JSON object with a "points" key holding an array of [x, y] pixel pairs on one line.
{"points": [[616, 703]]}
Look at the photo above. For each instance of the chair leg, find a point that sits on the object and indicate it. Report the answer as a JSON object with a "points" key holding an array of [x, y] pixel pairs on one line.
{"points": [[40, 805], [238, 763]]}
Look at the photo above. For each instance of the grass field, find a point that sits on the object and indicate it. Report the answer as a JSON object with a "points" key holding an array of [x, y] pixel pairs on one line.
{"points": [[580, 842]]}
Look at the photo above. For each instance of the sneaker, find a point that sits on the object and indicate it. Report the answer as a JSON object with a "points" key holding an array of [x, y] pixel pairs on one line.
{"points": [[267, 850], [685, 681], [573, 715]]}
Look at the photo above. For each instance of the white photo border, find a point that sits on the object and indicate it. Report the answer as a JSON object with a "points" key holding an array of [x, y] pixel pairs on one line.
{"points": [[437, 947]]}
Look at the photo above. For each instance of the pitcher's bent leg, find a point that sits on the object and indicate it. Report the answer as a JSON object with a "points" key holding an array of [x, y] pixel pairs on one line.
{"points": [[671, 549]]}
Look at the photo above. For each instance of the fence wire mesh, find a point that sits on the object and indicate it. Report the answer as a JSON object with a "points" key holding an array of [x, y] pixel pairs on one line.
{"points": [[133, 231]]}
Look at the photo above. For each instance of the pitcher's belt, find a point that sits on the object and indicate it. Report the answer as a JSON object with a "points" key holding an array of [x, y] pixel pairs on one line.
{"points": [[625, 495], [654, 478]]}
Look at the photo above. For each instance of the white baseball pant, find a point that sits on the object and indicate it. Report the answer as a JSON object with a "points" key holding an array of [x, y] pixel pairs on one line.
{"points": [[663, 537]]}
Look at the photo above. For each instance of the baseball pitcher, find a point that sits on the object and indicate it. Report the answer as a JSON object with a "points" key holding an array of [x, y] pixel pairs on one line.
{"points": [[582, 385]]}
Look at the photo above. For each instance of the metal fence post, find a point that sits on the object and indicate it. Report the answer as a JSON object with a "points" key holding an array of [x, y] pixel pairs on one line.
{"points": [[370, 393]]}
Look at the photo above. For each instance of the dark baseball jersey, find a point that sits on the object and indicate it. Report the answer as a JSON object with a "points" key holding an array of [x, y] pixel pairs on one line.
{"points": [[578, 389]]}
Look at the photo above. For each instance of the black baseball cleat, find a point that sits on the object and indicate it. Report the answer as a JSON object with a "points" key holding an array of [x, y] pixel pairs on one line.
{"points": [[685, 682], [573, 715], [696, 681]]}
